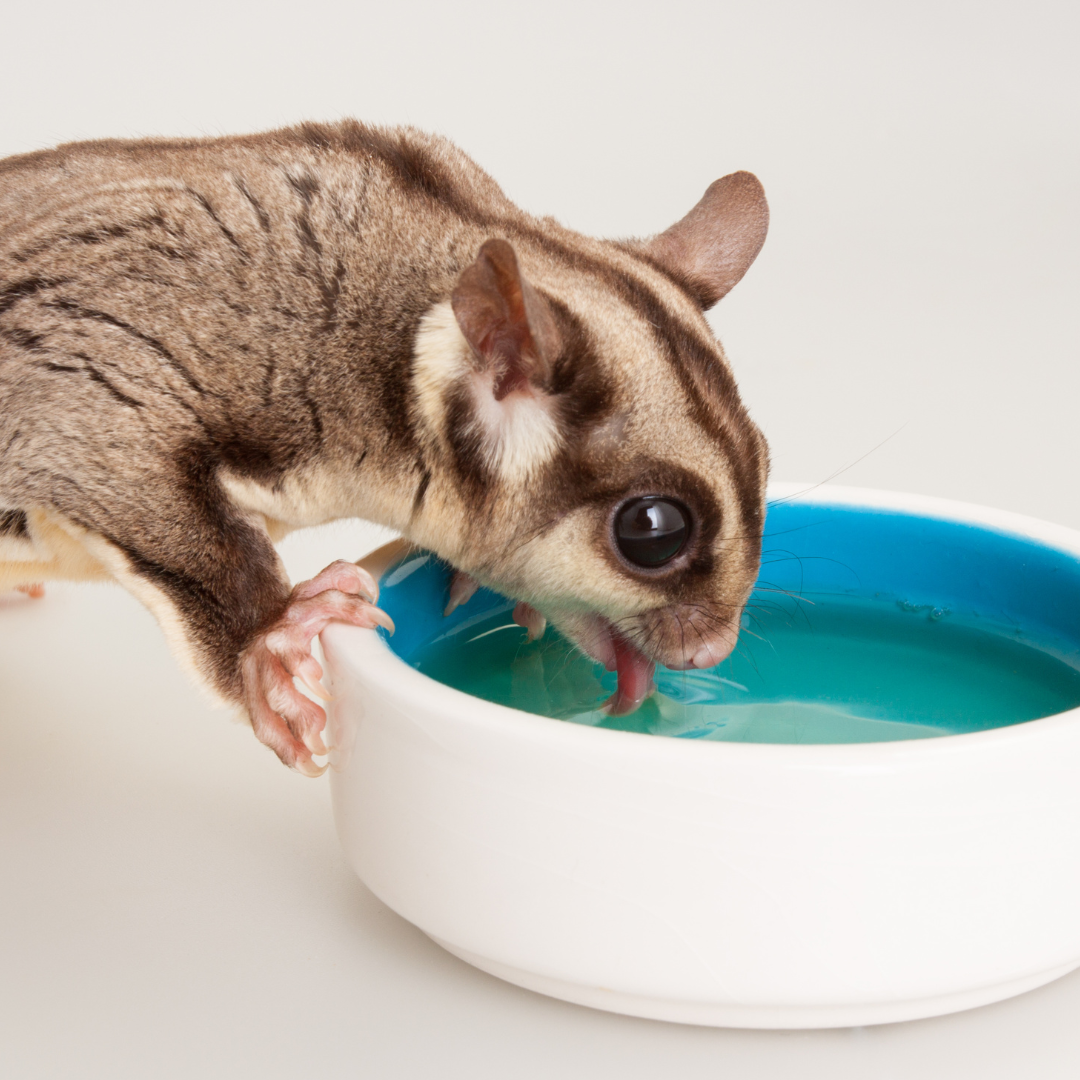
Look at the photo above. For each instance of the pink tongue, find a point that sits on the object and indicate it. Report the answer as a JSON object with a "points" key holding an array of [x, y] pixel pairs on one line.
{"points": [[635, 673]]}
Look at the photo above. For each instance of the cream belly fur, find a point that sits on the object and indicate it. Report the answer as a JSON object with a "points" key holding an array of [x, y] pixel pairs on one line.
{"points": [[207, 343], [52, 553]]}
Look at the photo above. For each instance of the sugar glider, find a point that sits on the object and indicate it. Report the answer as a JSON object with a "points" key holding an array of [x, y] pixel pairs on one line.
{"points": [[206, 343]]}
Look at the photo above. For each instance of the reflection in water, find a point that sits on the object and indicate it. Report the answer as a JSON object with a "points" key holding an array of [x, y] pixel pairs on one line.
{"points": [[852, 671]]}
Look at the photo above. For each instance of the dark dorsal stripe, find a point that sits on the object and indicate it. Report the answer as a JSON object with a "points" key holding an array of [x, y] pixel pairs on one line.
{"points": [[420, 172], [13, 523], [708, 384]]}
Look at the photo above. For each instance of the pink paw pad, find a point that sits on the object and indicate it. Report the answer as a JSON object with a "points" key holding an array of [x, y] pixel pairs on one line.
{"points": [[285, 719]]}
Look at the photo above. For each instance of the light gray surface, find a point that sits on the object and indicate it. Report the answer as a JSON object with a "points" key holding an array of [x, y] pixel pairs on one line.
{"points": [[921, 159], [173, 903]]}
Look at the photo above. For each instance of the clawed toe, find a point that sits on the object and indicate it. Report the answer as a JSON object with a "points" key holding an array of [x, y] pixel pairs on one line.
{"points": [[309, 671], [286, 720], [313, 740], [340, 576], [308, 767], [525, 615], [282, 718], [462, 588]]}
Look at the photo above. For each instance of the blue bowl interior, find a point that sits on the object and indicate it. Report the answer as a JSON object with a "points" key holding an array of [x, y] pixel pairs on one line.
{"points": [[942, 568], [815, 560]]}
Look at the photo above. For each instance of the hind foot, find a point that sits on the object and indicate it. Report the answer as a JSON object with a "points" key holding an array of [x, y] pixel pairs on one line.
{"points": [[35, 591]]}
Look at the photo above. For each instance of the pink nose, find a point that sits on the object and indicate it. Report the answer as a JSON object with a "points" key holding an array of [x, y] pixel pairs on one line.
{"points": [[712, 652], [707, 655]]}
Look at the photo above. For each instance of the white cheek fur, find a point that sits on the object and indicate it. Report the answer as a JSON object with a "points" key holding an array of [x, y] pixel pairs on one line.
{"points": [[441, 359], [519, 434]]}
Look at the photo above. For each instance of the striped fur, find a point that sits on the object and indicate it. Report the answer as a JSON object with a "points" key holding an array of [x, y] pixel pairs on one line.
{"points": [[205, 343]]}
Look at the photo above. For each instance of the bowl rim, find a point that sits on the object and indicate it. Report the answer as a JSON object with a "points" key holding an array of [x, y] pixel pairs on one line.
{"points": [[368, 655]]}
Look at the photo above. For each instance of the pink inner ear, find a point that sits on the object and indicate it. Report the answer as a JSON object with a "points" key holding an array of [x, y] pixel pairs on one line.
{"points": [[507, 348], [507, 323], [512, 379]]}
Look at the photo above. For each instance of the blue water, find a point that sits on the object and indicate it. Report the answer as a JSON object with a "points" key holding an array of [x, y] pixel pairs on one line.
{"points": [[865, 627]]}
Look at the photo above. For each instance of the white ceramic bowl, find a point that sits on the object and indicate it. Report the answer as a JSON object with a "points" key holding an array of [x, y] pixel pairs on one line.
{"points": [[778, 886]]}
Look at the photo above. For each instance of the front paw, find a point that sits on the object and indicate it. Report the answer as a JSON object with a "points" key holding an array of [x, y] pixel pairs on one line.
{"points": [[283, 718]]}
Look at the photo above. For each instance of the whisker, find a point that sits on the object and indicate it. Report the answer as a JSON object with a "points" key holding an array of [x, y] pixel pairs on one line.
{"points": [[851, 465], [790, 595]]}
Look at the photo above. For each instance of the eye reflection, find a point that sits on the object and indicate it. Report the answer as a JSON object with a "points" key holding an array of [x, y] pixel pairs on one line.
{"points": [[651, 530]]}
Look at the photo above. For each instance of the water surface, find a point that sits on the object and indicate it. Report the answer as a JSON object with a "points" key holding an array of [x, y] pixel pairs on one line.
{"points": [[840, 671]]}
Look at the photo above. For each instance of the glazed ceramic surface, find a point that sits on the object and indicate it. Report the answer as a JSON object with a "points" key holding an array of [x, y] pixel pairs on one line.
{"points": [[733, 883]]}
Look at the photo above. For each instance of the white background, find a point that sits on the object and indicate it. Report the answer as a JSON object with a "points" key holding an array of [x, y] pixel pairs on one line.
{"points": [[172, 902]]}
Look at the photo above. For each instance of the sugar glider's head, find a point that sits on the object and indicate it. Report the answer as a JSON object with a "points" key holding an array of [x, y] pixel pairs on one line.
{"points": [[587, 448]]}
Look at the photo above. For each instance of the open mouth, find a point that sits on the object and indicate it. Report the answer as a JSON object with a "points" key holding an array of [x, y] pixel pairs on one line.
{"points": [[635, 674], [601, 639], [633, 669], [597, 637]]}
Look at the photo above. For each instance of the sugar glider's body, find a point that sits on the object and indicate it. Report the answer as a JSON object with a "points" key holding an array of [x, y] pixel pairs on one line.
{"points": [[205, 344]]}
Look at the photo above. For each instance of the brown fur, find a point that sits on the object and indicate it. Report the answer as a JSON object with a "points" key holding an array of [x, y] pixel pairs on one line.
{"points": [[206, 343]]}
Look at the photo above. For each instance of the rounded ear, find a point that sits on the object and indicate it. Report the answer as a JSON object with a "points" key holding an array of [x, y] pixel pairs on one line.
{"points": [[507, 323], [714, 245]]}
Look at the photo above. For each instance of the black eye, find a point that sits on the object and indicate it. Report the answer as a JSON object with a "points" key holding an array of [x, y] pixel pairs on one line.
{"points": [[650, 531]]}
